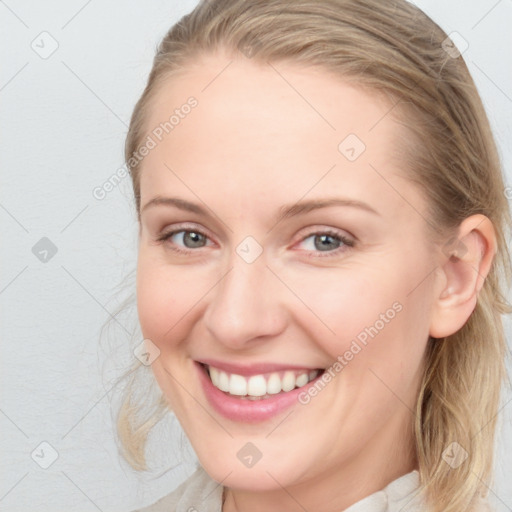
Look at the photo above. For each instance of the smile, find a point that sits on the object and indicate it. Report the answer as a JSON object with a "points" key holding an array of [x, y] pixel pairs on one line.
{"points": [[259, 386], [253, 393]]}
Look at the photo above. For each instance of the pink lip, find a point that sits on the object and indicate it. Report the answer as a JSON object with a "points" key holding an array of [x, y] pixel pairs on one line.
{"points": [[247, 411], [253, 369]]}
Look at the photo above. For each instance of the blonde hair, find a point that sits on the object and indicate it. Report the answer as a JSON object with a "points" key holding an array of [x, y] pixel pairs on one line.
{"points": [[392, 48]]}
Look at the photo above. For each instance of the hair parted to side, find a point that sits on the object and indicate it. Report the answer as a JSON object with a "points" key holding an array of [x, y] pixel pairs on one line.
{"points": [[390, 48]]}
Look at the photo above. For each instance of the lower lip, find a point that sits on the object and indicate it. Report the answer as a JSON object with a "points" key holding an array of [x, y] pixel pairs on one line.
{"points": [[247, 411]]}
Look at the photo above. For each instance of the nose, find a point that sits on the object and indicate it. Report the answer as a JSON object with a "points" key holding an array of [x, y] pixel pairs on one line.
{"points": [[246, 306]]}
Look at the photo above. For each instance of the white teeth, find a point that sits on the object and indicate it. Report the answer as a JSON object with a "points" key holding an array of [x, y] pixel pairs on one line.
{"points": [[288, 381], [237, 385], [274, 384], [302, 380], [223, 381], [214, 375], [258, 386]]}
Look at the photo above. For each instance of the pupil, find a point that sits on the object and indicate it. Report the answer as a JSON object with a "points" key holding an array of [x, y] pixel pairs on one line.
{"points": [[192, 239], [326, 242]]}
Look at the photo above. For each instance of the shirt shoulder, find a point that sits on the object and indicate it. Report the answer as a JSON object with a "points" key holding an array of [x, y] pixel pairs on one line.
{"points": [[198, 492]]}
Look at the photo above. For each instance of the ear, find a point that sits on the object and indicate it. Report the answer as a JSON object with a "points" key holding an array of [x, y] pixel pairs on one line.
{"points": [[465, 262]]}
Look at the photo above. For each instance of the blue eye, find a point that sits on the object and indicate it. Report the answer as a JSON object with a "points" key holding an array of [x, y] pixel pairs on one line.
{"points": [[328, 242], [325, 242]]}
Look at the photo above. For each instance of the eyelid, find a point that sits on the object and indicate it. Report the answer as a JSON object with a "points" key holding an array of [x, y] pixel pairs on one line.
{"points": [[165, 234], [324, 230], [347, 239], [347, 243]]}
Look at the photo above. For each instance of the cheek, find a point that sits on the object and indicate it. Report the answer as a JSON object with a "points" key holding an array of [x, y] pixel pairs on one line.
{"points": [[343, 301], [166, 297], [366, 315]]}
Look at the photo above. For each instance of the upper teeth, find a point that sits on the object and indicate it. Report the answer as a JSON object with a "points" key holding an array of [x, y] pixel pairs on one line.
{"points": [[260, 385]]}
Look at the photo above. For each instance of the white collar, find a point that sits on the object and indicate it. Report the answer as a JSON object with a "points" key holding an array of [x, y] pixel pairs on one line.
{"points": [[399, 495]]}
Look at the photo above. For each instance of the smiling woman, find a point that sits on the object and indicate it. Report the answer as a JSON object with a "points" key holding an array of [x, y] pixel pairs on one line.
{"points": [[327, 222]]}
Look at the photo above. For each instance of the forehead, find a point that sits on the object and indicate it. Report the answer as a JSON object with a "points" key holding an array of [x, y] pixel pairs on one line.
{"points": [[279, 125]]}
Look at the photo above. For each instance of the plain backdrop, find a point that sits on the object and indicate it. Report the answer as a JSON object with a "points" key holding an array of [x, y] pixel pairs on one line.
{"points": [[71, 72]]}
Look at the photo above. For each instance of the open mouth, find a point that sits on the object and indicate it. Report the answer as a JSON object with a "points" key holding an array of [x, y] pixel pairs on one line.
{"points": [[260, 386]]}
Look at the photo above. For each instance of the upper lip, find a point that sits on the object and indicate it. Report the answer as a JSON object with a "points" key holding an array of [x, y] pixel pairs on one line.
{"points": [[253, 368]]}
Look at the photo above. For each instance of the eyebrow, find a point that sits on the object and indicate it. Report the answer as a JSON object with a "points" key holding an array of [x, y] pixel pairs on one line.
{"points": [[285, 212]]}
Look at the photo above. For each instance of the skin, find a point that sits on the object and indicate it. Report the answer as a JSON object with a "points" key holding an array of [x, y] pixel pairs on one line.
{"points": [[252, 145]]}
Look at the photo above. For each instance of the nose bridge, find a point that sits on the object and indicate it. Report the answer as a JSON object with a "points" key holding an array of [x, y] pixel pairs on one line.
{"points": [[245, 304]]}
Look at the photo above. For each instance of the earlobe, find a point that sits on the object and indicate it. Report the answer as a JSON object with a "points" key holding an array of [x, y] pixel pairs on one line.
{"points": [[464, 264]]}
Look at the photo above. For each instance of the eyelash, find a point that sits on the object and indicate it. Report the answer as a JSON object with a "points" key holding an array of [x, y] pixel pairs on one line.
{"points": [[346, 242], [166, 236]]}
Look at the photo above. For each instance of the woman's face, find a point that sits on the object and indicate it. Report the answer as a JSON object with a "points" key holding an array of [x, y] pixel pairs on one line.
{"points": [[293, 247]]}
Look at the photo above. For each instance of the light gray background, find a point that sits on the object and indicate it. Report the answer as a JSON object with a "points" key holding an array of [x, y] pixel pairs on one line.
{"points": [[63, 121]]}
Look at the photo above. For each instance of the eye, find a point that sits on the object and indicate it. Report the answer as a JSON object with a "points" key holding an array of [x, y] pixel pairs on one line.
{"points": [[185, 239], [328, 241]]}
